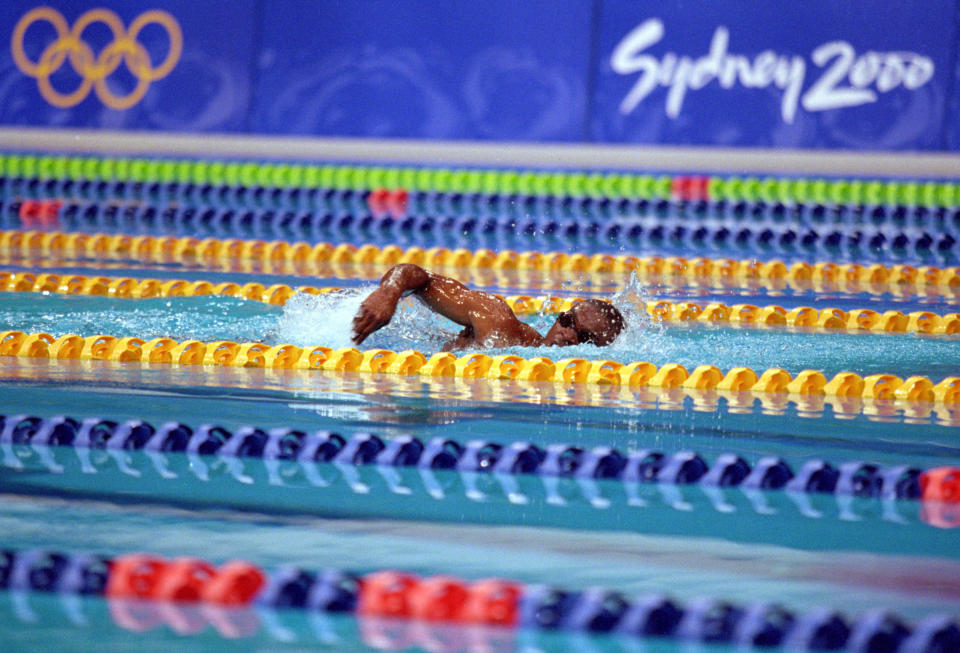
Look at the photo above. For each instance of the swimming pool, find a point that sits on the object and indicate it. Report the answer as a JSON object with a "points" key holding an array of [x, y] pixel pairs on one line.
{"points": [[783, 361]]}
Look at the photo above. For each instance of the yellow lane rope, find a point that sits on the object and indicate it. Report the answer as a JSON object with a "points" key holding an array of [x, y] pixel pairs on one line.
{"points": [[875, 387], [860, 319], [748, 272], [529, 280], [511, 391]]}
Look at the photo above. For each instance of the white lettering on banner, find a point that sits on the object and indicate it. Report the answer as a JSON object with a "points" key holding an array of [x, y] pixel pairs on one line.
{"points": [[846, 81]]}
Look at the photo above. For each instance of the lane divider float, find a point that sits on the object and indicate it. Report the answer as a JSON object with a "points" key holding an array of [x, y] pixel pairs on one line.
{"points": [[853, 478], [651, 270], [664, 400], [430, 480], [134, 288], [861, 319], [610, 184], [508, 221], [876, 387], [530, 280], [442, 599], [377, 633], [400, 202]]}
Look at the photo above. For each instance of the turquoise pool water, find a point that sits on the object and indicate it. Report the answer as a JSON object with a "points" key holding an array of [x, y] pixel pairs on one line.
{"points": [[309, 320], [801, 551]]}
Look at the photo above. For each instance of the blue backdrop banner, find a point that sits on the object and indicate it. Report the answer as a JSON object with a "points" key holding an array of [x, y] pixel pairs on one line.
{"points": [[816, 73], [177, 65], [497, 69], [858, 74]]}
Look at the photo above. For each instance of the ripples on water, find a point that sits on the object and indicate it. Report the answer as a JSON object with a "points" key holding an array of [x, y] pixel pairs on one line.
{"points": [[326, 319], [201, 318]]}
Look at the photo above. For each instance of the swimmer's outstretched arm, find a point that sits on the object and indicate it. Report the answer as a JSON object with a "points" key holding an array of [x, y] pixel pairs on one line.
{"points": [[446, 296]]}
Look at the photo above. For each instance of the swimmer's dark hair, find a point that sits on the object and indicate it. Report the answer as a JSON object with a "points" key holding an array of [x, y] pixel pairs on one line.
{"points": [[611, 314]]}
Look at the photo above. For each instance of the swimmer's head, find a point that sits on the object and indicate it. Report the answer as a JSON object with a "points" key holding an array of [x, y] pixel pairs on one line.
{"points": [[592, 320]]}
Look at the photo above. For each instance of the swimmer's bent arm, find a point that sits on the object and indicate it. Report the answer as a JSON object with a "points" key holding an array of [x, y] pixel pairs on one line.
{"points": [[443, 295], [378, 308]]}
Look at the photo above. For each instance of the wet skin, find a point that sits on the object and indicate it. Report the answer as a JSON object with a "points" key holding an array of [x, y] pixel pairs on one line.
{"points": [[487, 319]]}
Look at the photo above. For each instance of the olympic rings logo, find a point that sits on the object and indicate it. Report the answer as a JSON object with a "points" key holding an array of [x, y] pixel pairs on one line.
{"points": [[94, 70]]}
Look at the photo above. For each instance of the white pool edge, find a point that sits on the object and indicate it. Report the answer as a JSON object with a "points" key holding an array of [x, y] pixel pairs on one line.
{"points": [[571, 156]]}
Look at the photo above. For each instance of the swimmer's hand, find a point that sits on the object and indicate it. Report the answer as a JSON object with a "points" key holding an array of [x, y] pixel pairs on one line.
{"points": [[375, 312]]}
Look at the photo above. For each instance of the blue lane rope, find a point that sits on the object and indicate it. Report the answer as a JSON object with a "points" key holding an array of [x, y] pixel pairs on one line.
{"points": [[852, 478], [523, 229], [540, 607], [333, 200]]}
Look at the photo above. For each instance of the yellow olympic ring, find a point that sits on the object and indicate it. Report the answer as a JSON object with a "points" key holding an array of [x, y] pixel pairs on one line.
{"points": [[94, 70]]}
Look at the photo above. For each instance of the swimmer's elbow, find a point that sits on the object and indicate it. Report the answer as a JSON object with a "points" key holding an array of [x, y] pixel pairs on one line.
{"points": [[405, 269], [406, 277]]}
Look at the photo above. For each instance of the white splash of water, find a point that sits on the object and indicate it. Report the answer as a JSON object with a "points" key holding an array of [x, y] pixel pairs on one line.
{"points": [[326, 320], [320, 319], [632, 300]]}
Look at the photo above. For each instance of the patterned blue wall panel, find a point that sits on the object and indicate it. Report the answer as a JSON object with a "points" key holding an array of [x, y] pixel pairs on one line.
{"points": [[497, 69], [125, 69], [952, 118]]}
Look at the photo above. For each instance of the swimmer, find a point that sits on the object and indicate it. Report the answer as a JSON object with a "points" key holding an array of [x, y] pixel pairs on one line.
{"points": [[487, 320]]}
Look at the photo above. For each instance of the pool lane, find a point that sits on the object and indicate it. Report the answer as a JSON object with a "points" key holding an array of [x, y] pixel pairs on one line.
{"points": [[310, 320], [502, 411], [630, 562]]}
